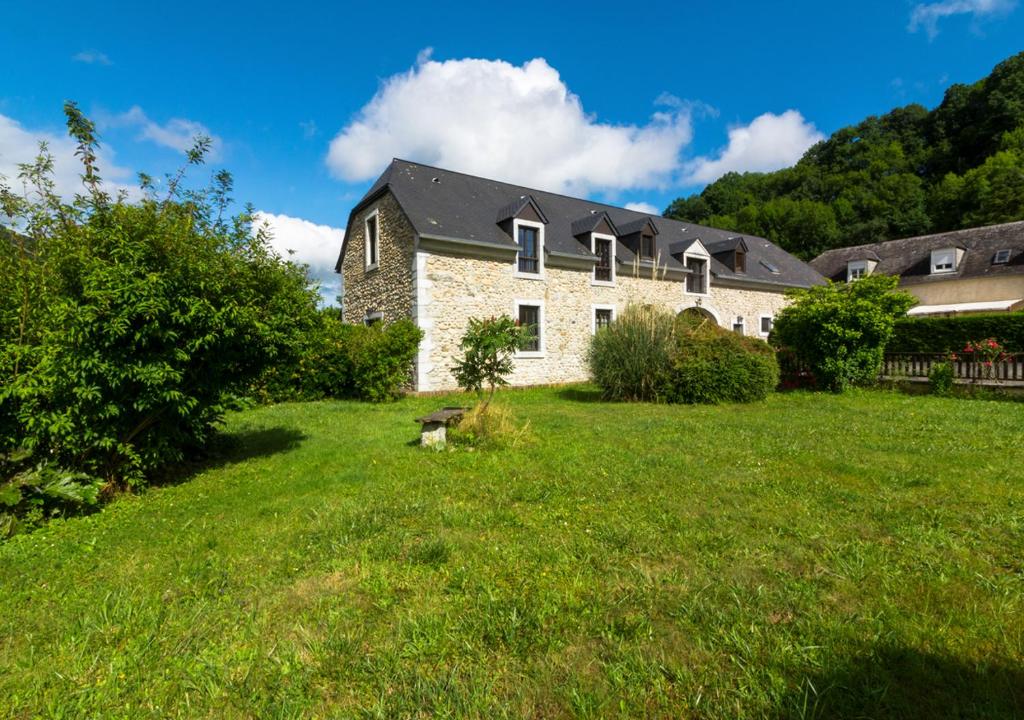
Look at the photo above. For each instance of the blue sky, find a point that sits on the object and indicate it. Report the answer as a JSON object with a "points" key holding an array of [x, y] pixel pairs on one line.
{"points": [[625, 102]]}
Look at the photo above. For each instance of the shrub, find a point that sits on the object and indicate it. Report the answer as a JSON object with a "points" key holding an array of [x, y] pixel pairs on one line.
{"points": [[631, 359], [488, 346], [127, 330], [712, 365], [840, 330], [378, 358], [949, 334], [940, 378]]}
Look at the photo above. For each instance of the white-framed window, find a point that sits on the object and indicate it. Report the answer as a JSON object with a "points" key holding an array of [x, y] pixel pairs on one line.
{"points": [[372, 318], [738, 325], [766, 324], [601, 316], [944, 261], [856, 269], [530, 314], [697, 279], [371, 233], [604, 247], [530, 256], [1001, 257]]}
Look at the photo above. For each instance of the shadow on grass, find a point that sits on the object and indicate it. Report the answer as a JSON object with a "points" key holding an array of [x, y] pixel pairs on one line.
{"points": [[581, 393], [230, 448], [907, 683]]}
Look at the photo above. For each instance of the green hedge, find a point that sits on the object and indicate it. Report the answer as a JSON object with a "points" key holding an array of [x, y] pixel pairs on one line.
{"points": [[949, 334]]}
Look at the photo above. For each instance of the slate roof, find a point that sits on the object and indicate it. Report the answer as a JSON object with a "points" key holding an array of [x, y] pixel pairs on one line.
{"points": [[451, 205], [910, 258]]}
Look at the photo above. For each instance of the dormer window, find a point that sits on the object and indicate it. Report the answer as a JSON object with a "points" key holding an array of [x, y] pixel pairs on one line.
{"points": [[741, 261], [944, 261], [647, 247], [856, 269], [603, 246], [697, 279], [529, 249], [1001, 257]]}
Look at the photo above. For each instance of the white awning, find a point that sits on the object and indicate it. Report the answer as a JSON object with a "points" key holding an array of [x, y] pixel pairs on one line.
{"points": [[968, 307]]}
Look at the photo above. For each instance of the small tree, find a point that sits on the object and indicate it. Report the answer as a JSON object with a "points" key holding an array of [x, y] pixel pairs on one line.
{"points": [[488, 347], [840, 330]]}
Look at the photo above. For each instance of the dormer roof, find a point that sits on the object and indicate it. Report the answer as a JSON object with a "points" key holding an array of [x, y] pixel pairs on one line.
{"points": [[515, 208], [591, 222], [638, 225]]}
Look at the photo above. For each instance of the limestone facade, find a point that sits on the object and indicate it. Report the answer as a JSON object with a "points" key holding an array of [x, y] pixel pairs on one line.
{"points": [[440, 290]]}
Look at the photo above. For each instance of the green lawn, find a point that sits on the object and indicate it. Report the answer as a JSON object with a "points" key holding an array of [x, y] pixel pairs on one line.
{"points": [[811, 556]]}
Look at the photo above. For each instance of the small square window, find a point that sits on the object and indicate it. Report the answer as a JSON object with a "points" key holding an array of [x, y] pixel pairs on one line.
{"points": [[737, 326], [856, 270], [602, 318], [529, 318], [373, 318], [766, 324], [1002, 257], [943, 260]]}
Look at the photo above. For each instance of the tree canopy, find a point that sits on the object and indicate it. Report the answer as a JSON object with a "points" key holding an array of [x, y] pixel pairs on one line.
{"points": [[909, 172]]}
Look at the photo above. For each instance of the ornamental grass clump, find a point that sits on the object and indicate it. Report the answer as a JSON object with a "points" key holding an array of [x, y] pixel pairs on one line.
{"points": [[631, 359]]}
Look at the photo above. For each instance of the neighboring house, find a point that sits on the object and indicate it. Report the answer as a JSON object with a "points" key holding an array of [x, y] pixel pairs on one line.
{"points": [[975, 270], [441, 247]]}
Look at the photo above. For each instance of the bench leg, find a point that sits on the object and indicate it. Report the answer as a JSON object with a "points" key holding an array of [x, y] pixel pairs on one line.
{"points": [[433, 435]]}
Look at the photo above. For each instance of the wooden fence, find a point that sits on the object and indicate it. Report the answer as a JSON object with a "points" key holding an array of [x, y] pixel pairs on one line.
{"points": [[916, 366]]}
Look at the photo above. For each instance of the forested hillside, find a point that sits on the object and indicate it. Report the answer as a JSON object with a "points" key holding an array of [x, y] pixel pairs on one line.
{"points": [[908, 172]]}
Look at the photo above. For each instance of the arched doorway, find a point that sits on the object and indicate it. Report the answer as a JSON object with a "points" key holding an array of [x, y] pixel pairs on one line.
{"points": [[701, 312]]}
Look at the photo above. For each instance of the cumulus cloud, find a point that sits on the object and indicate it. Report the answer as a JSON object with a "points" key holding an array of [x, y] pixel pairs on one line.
{"points": [[177, 133], [19, 144], [643, 207], [92, 57], [305, 242], [516, 123], [768, 143], [927, 15]]}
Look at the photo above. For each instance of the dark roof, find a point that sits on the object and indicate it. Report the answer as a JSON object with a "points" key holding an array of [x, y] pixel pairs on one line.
{"points": [[516, 206], [910, 258], [590, 222], [446, 204]]}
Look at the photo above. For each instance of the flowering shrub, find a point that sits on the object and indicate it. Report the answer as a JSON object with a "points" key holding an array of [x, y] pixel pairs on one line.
{"points": [[985, 354]]}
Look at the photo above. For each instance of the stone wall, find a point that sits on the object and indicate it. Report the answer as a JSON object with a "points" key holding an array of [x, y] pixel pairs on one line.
{"points": [[451, 289], [389, 288]]}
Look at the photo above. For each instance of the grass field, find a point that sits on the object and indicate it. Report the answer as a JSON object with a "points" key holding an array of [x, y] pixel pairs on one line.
{"points": [[811, 556]]}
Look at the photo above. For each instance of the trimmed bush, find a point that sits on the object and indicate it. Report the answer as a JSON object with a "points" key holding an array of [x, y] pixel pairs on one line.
{"points": [[713, 365], [950, 334], [339, 360], [840, 330], [631, 359]]}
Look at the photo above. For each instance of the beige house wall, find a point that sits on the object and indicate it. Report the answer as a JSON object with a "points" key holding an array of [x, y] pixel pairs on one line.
{"points": [[451, 289], [946, 292]]}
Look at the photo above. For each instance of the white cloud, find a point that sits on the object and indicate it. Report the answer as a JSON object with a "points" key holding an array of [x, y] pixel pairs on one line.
{"points": [[643, 207], [768, 143], [92, 57], [21, 145], [306, 242], [927, 15], [177, 133], [516, 123]]}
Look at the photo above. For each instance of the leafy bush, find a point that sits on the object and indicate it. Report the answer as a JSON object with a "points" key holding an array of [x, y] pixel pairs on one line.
{"points": [[32, 493], [378, 358], [712, 365], [631, 359], [488, 347], [840, 330], [127, 330], [949, 334], [940, 378]]}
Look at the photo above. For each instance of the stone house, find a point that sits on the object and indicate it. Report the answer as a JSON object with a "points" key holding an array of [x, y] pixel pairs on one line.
{"points": [[964, 271], [441, 247]]}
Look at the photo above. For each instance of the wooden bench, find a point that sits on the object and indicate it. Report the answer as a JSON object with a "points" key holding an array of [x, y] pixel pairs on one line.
{"points": [[434, 425]]}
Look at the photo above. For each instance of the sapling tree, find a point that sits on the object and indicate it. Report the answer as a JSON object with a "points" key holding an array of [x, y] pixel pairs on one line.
{"points": [[488, 347]]}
